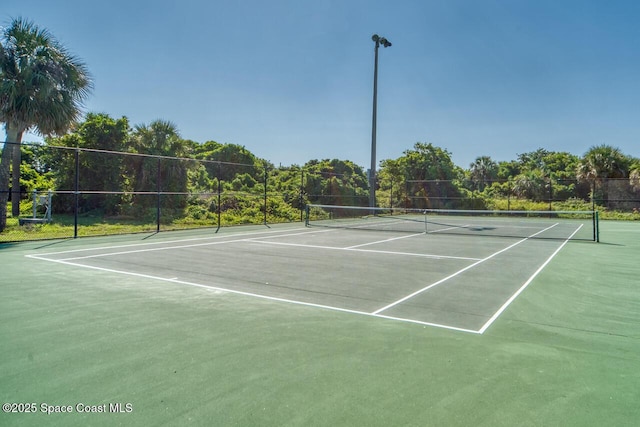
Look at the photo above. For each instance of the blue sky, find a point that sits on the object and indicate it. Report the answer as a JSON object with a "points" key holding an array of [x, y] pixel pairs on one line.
{"points": [[292, 80]]}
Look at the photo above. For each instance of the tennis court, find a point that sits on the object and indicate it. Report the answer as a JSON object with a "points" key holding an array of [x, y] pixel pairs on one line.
{"points": [[316, 325], [428, 277]]}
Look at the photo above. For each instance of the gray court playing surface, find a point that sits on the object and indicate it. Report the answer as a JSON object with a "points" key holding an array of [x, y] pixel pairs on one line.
{"points": [[455, 282]]}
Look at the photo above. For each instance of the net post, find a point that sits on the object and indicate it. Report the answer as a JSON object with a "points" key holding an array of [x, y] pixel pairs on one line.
{"points": [[426, 230], [596, 227], [306, 215]]}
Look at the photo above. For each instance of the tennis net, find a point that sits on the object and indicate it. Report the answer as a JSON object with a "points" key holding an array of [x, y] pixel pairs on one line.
{"points": [[574, 225]]}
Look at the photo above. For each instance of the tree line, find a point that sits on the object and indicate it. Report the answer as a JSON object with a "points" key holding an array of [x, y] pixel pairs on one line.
{"points": [[431, 179], [121, 166]]}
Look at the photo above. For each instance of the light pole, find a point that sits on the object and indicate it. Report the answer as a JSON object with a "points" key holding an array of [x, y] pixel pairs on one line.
{"points": [[372, 172]]}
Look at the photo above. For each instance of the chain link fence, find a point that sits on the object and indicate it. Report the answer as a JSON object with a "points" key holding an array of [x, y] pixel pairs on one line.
{"points": [[621, 194], [70, 192], [85, 192]]}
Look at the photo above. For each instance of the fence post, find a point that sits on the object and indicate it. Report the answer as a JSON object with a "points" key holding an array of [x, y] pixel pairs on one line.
{"points": [[158, 187], [265, 194], [76, 193], [35, 203], [49, 206], [550, 193], [406, 192], [219, 208], [301, 194]]}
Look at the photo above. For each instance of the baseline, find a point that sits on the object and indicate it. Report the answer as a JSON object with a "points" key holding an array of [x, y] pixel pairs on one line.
{"points": [[251, 294]]}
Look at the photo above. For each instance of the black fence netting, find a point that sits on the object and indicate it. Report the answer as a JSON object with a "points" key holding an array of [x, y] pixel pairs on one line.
{"points": [[620, 194], [70, 192]]}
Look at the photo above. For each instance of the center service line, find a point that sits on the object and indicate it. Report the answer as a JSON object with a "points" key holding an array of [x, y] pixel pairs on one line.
{"points": [[393, 304], [386, 240], [372, 251]]}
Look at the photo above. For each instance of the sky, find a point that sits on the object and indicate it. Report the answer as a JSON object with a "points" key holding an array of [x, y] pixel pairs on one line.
{"points": [[292, 80]]}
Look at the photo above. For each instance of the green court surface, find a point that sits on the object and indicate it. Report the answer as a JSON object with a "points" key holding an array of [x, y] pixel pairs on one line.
{"points": [[304, 326]]}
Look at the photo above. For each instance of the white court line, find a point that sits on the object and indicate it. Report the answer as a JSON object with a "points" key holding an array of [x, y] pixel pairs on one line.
{"points": [[419, 322], [294, 234], [379, 223], [447, 229], [254, 295], [217, 236], [426, 288], [171, 247], [524, 286], [333, 248], [384, 241]]}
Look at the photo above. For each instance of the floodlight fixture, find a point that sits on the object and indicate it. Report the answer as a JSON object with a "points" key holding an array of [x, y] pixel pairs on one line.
{"points": [[380, 41]]}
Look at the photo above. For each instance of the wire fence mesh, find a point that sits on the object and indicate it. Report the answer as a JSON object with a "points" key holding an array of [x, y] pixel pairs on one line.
{"points": [[98, 192], [69, 192]]}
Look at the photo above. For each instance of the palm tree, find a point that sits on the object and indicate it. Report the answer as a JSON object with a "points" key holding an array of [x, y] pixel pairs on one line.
{"points": [[159, 138], [600, 163], [530, 185], [483, 169], [42, 87]]}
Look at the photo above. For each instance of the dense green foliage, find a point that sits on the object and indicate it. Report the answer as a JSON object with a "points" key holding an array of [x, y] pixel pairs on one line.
{"points": [[129, 175], [122, 170]]}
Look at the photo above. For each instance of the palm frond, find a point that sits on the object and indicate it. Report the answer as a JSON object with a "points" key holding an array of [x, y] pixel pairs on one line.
{"points": [[42, 86]]}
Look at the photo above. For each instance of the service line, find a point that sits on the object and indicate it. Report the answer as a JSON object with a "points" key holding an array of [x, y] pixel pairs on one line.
{"points": [[524, 286], [457, 273]]}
